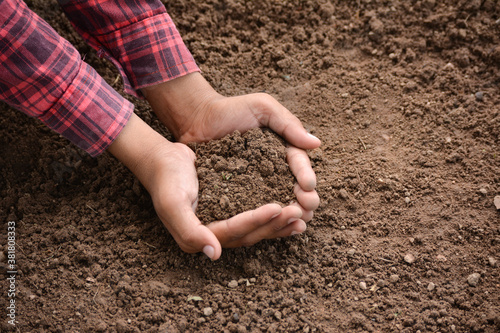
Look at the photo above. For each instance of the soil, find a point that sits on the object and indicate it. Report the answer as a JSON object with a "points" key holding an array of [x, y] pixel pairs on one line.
{"points": [[241, 172], [405, 98]]}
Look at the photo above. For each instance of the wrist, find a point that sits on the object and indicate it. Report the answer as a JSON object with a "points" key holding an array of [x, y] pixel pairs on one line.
{"points": [[139, 147], [177, 102]]}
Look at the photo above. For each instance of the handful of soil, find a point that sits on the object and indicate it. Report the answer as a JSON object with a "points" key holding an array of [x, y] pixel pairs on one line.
{"points": [[242, 172]]}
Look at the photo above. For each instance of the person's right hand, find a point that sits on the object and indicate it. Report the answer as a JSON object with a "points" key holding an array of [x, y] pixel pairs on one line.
{"points": [[168, 172]]}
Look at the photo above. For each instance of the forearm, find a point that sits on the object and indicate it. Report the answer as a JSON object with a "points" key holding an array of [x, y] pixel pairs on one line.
{"points": [[139, 147], [140, 38], [43, 75]]}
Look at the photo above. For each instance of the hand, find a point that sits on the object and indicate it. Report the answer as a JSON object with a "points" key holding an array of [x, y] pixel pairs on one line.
{"points": [[167, 171], [194, 112]]}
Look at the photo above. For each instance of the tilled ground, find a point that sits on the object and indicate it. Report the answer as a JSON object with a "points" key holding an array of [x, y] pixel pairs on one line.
{"points": [[405, 97]]}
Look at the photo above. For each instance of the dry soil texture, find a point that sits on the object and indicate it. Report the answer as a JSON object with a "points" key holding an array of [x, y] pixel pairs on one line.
{"points": [[405, 97]]}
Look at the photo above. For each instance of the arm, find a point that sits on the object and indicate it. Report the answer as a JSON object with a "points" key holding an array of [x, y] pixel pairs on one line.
{"points": [[43, 75], [139, 37]]}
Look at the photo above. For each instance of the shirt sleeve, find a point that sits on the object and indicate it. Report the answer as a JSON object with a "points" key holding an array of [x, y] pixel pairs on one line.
{"points": [[44, 76], [139, 37]]}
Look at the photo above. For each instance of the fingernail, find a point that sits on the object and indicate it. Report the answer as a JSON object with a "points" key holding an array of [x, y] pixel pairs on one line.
{"points": [[312, 136], [294, 233], [275, 215], [293, 219], [209, 251]]}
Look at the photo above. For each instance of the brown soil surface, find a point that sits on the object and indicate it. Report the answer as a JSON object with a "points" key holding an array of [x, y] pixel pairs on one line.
{"points": [[405, 97], [241, 172]]}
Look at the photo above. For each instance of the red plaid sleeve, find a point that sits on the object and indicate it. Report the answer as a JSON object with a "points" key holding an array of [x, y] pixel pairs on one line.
{"points": [[43, 75], [139, 37]]}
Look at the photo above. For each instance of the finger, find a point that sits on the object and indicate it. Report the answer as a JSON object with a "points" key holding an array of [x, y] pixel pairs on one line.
{"points": [[280, 226], [288, 215], [309, 200], [190, 234], [307, 215], [295, 228], [243, 224], [301, 167], [283, 122]]}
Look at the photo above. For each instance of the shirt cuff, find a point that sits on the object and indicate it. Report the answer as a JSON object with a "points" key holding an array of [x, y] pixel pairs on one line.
{"points": [[90, 113], [148, 52]]}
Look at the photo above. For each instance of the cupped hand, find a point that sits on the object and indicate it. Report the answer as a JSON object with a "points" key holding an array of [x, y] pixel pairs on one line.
{"points": [[167, 171]]}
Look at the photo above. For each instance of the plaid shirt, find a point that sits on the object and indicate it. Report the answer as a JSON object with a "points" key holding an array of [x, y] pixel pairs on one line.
{"points": [[44, 76]]}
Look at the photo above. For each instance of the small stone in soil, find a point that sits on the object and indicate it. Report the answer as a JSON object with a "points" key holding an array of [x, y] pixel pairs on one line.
{"points": [[409, 258], [224, 202], [492, 261], [394, 278], [343, 194], [359, 272], [448, 67], [233, 284], [431, 286], [440, 257], [473, 279], [480, 96], [496, 201], [363, 285], [207, 311], [381, 283]]}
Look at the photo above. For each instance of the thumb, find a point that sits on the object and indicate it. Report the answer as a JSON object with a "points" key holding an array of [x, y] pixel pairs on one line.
{"points": [[211, 246], [295, 134], [192, 236], [288, 126]]}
